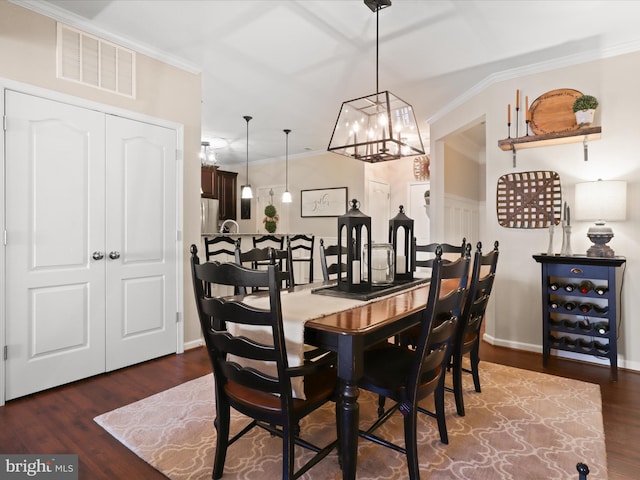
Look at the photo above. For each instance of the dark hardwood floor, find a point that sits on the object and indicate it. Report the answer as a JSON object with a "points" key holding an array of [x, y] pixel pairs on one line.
{"points": [[61, 420]]}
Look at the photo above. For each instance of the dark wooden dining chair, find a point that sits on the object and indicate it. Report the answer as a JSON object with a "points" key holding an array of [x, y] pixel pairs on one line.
{"points": [[327, 256], [264, 395], [430, 249], [218, 245], [302, 244], [260, 258], [406, 375], [467, 339]]}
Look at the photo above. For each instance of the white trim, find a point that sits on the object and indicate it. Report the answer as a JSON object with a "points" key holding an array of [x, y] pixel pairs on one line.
{"points": [[6, 84]]}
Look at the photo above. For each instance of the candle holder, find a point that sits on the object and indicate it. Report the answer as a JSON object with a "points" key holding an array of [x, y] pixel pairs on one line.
{"points": [[508, 129], [527, 121], [354, 231], [517, 120], [566, 241], [400, 237], [550, 247]]}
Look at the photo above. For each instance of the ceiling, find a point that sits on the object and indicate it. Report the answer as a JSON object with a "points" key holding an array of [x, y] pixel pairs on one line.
{"points": [[291, 63]]}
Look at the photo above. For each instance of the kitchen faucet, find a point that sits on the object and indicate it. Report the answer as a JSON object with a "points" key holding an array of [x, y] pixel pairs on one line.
{"points": [[224, 226]]}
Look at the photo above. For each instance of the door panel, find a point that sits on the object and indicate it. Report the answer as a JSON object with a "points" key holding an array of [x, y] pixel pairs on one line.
{"points": [[141, 227], [55, 220]]}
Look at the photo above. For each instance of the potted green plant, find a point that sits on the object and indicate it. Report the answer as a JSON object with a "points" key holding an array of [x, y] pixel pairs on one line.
{"points": [[427, 197], [584, 107], [271, 218]]}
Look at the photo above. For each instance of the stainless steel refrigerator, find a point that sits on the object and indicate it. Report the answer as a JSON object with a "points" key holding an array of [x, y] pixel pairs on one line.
{"points": [[209, 215]]}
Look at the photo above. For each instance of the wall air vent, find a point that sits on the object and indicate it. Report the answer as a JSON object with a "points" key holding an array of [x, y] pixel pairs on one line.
{"points": [[92, 61]]}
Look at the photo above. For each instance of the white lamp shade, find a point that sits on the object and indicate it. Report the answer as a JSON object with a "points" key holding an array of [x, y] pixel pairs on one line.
{"points": [[286, 197], [602, 200], [246, 192]]}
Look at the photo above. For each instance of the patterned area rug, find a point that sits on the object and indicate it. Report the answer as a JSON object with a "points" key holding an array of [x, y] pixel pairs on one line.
{"points": [[524, 425]]}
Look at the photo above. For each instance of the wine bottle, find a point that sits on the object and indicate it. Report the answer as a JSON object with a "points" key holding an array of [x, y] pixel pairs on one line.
{"points": [[570, 287], [602, 328], [569, 305], [601, 347], [601, 289], [553, 304], [586, 286], [585, 344], [555, 322], [585, 325], [571, 324], [554, 286], [599, 309], [585, 307]]}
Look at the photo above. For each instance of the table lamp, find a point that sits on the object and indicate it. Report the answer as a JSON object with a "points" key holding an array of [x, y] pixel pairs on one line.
{"points": [[604, 200]]}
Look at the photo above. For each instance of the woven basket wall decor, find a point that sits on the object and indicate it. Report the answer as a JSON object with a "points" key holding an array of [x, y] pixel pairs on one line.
{"points": [[529, 199]]}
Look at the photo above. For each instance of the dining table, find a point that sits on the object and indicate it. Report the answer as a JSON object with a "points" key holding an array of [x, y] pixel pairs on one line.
{"points": [[349, 333], [348, 327]]}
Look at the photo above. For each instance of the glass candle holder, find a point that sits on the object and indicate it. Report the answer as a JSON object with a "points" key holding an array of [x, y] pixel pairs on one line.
{"points": [[382, 262]]}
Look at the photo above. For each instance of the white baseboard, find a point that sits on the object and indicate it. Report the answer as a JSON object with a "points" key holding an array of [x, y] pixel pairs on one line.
{"points": [[528, 347], [193, 344]]}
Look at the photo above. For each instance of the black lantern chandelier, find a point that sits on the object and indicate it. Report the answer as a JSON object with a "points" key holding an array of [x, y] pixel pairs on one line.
{"points": [[378, 127]]}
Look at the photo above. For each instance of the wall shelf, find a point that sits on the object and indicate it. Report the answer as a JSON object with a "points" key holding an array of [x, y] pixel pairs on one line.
{"points": [[549, 139]]}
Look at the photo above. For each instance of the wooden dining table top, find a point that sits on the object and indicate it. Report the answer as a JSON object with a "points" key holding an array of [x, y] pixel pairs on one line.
{"points": [[377, 313]]}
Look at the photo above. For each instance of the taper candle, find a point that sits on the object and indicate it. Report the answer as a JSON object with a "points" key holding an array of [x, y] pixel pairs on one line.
{"points": [[518, 98], [509, 113]]}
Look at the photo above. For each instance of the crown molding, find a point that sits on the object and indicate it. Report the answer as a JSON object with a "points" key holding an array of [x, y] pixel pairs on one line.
{"points": [[541, 67], [49, 10]]}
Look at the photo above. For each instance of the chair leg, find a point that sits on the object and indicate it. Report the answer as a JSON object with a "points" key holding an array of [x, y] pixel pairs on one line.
{"points": [[223, 418], [381, 401], [457, 382], [440, 412], [288, 443], [475, 362], [411, 443]]}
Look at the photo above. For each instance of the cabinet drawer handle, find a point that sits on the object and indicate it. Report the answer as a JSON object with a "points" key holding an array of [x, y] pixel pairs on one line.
{"points": [[577, 270]]}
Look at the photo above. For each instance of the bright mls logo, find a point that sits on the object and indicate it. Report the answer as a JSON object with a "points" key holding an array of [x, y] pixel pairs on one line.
{"points": [[51, 467]]}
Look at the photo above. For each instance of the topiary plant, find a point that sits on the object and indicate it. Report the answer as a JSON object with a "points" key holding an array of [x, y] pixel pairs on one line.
{"points": [[585, 102], [271, 218]]}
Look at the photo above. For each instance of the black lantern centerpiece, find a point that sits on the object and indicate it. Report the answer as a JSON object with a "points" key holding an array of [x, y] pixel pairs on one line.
{"points": [[403, 267], [350, 230]]}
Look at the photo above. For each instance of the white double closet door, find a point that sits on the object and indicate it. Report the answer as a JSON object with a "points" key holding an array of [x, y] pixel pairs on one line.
{"points": [[91, 242]]}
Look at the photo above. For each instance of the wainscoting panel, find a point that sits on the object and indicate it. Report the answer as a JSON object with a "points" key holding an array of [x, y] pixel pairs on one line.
{"points": [[461, 219]]}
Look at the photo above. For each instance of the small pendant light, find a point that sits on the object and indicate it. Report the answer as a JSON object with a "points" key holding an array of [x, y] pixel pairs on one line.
{"points": [[246, 189], [286, 196]]}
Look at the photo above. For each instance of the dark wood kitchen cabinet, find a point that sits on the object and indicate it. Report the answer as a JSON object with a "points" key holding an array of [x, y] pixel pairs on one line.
{"points": [[226, 189], [221, 185]]}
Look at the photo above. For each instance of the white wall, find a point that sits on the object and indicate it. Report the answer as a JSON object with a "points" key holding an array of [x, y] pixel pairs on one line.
{"points": [[516, 321]]}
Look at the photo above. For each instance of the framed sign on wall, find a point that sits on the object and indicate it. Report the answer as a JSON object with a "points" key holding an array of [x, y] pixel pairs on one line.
{"points": [[323, 202]]}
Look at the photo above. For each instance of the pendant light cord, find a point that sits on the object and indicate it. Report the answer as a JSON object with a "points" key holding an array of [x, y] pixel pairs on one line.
{"points": [[286, 165], [247, 118], [377, 39]]}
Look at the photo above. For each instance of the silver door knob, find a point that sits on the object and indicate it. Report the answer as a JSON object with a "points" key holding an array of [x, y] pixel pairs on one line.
{"points": [[114, 255], [97, 255]]}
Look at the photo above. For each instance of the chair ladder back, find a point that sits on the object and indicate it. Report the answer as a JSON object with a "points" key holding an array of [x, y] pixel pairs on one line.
{"points": [[431, 248], [331, 268], [218, 245], [271, 241], [304, 244]]}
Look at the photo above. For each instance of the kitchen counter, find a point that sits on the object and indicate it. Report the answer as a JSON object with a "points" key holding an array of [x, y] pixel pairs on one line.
{"points": [[256, 234]]}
